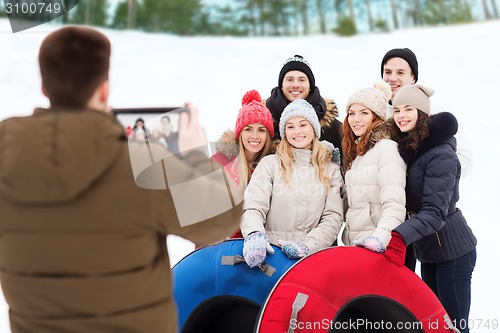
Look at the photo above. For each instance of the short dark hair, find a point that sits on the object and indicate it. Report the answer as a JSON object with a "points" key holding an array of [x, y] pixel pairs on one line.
{"points": [[73, 62]]}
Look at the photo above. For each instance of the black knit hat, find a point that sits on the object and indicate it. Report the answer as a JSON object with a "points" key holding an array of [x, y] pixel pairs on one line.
{"points": [[407, 55], [297, 63]]}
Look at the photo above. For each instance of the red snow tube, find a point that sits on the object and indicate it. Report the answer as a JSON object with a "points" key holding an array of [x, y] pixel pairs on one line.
{"points": [[350, 289]]}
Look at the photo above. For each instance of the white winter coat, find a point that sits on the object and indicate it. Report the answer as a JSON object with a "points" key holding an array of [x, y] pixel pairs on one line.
{"points": [[375, 186], [301, 211]]}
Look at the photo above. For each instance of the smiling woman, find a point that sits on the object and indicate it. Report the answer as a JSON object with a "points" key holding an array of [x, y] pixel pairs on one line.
{"points": [[239, 152], [375, 173], [300, 175]]}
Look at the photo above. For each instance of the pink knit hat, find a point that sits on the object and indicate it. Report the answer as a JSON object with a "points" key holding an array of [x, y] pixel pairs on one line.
{"points": [[253, 111]]}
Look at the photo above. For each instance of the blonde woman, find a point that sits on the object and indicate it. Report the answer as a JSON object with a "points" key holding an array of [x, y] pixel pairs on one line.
{"points": [[294, 196]]}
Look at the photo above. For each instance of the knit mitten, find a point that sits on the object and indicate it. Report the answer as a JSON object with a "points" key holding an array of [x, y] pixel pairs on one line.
{"points": [[335, 151], [328, 145], [293, 250], [336, 156], [396, 250], [255, 248], [371, 243]]}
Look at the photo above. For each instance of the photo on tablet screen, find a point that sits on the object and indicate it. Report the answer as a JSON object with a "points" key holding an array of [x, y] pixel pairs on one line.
{"points": [[159, 125]]}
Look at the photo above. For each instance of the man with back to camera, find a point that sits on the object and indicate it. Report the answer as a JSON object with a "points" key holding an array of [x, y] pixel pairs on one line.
{"points": [[82, 247]]}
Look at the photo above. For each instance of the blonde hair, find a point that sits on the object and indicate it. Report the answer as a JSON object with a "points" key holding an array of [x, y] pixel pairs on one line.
{"points": [[242, 167], [320, 158]]}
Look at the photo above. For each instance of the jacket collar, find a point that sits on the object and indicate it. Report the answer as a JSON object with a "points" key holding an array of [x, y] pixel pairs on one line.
{"points": [[382, 131]]}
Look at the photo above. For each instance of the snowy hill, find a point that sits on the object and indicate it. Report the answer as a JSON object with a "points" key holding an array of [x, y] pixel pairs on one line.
{"points": [[460, 62]]}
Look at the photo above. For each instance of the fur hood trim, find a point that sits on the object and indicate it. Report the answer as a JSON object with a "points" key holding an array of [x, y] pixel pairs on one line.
{"points": [[442, 128], [227, 145], [382, 131]]}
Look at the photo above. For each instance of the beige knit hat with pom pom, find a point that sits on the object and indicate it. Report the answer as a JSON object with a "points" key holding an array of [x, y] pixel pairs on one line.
{"points": [[374, 98]]}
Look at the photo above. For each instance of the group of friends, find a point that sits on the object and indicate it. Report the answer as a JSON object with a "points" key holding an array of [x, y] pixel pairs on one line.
{"points": [[83, 247], [394, 181]]}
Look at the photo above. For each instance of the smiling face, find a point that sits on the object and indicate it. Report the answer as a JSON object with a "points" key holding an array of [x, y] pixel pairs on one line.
{"points": [[295, 85], [397, 73], [299, 133], [359, 118], [166, 126], [253, 137], [405, 117]]}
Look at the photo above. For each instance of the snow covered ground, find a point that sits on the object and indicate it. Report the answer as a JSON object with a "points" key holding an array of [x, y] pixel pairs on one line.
{"points": [[460, 62]]}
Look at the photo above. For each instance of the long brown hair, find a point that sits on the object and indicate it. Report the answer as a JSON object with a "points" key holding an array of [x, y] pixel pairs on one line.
{"points": [[353, 146], [416, 135], [320, 158]]}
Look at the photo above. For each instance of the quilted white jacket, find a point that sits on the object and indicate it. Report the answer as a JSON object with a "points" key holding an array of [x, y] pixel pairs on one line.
{"points": [[375, 186]]}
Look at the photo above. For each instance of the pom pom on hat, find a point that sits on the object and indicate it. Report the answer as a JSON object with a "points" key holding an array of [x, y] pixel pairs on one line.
{"points": [[300, 108], [252, 112], [385, 88], [415, 95], [251, 95], [374, 98]]}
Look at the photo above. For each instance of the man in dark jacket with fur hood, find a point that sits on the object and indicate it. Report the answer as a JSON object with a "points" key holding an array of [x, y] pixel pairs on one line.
{"points": [[82, 246]]}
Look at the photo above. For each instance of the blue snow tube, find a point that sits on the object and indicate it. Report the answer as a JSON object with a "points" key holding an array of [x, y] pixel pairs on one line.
{"points": [[216, 291], [349, 289]]}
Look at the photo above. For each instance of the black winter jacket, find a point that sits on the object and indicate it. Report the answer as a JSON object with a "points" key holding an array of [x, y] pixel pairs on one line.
{"points": [[438, 229]]}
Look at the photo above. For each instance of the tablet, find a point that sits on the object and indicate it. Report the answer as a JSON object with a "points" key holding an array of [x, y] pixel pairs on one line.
{"points": [[160, 124]]}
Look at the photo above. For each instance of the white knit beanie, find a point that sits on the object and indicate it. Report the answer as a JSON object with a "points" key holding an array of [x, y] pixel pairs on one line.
{"points": [[374, 98], [415, 95], [300, 108]]}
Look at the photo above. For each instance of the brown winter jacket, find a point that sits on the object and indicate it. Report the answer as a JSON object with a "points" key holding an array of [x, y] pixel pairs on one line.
{"points": [[82, 247]]}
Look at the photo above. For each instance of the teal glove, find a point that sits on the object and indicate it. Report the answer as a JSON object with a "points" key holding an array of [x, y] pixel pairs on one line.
{"points": [[255, 248], [293, 250]]}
